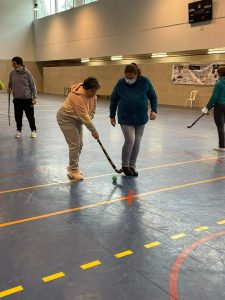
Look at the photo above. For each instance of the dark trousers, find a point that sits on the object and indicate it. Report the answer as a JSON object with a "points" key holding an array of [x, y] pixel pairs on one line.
{"points": [[26, 105], [219, 118]]}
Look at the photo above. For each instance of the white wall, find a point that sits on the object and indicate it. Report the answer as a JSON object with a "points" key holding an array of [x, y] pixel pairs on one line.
{"points": [[16, 29], [110, 27]]}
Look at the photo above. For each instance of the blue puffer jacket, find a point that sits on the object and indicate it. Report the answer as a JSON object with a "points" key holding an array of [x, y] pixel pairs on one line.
{"points": [[132, 101], [218, 94]]}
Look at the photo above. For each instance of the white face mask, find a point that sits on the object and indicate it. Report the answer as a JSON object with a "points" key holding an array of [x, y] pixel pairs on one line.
{"points": [[130, 81]]}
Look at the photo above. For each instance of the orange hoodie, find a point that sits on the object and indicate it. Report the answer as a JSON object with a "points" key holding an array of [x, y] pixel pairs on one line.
{"points": [[78, 106]]}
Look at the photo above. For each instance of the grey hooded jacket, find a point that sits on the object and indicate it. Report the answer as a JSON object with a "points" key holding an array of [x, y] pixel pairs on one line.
{"points": [[22, 84]]}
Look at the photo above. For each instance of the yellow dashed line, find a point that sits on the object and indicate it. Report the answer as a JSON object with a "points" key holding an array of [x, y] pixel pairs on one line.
{"points": [[97, 262], [124, 253], [153, 244], [14, 290], [91, 265], [53, 277], [178, 236], [201, 228], [221, 222]]}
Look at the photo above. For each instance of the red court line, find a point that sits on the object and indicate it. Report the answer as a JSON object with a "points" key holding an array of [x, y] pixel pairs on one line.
{"points": [[174, 274]]}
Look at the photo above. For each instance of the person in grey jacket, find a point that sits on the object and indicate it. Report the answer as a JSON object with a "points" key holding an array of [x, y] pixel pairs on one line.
{"points": [[22, 85]]}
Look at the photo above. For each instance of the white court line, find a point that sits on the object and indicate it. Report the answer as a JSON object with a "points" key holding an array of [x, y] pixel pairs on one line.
{"points": [[183, 132], [108, 174]]}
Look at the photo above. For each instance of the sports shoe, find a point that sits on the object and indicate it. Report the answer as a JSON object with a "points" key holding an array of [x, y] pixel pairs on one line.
{"points": [[70, 170], [75, 175], [127, 171], [18, 134], [219, 149], [133, 170], [33, 134]]}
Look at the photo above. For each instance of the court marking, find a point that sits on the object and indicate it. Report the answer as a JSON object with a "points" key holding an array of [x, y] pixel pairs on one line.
{"points": [[174, 273], [53, 277], [98, 262], [107, 202], [91, 264], [11, 291], [221, 222], [108, 174], [152, 244], [123, 254], [203, 228], [183, 132], [178, 236]]}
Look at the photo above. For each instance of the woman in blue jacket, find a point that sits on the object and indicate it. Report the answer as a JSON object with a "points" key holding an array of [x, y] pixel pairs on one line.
{"points": [[130, 99], [217, 100]]}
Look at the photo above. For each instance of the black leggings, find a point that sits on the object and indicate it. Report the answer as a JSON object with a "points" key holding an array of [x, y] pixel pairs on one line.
{"points": [[219, 118], [26, 105]]}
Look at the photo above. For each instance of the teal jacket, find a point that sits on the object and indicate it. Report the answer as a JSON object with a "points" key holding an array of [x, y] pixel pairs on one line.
{"points": [[218, 94], [132, 100]]}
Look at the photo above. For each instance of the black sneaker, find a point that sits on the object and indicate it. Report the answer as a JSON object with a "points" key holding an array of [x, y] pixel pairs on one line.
{"points": [[127, 171], [135, 173]]}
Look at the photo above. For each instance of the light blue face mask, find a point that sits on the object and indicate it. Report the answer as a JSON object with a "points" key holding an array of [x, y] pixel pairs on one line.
{"points": [[130, 81]]}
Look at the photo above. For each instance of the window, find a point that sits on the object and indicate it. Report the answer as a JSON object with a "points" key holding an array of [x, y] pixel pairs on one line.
{"points": [[51, 7]]}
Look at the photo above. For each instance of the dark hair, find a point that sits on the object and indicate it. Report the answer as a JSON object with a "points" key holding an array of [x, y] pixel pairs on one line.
{"points": [[91, 83], [133, 68], [221, 71], [18, 60]]}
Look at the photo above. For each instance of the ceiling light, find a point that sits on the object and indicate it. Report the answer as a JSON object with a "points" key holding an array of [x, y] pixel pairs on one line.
{"points": [[216, 50], [160, 54], [85, 59], [117, 57]]}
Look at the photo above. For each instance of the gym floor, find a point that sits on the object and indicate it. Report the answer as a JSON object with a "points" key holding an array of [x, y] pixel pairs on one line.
{"points": [[64, 240]]}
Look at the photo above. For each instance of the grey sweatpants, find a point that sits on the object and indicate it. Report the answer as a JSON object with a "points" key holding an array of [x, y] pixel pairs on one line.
{"points": [[130, 150], [73, 133]]}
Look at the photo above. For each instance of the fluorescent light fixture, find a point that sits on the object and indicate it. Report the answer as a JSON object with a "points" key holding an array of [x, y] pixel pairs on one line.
{"points": [[216, 50], [160, 54], [85, 59], [35, 6], [117, 57]]}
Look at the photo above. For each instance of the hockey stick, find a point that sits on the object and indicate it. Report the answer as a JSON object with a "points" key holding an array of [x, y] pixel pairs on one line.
{"points": [[109, 159], [9, 109], [202, 115]]}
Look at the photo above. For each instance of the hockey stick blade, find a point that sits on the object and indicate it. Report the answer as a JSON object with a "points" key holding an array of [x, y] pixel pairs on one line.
{"points": [[189, 126], [202, 115]]}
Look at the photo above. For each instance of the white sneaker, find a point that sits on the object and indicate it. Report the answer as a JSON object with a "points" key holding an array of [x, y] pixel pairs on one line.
{"points": [[18, 134], [219, 149], [33, 134]]}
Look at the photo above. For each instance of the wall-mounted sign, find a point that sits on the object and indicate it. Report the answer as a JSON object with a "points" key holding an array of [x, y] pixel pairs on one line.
{"points": [[200, 11]]}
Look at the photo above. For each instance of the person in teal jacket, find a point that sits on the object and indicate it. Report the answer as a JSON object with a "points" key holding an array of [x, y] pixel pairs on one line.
{"points": [[130, 99], [217, 100]]}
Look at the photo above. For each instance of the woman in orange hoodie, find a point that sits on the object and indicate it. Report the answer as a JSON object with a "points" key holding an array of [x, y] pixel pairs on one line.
{"points": [[78, 109]]}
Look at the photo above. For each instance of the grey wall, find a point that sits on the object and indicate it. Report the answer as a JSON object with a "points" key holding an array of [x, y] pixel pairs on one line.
{"points": [[17, 38], [16, 29], [111, 27]]}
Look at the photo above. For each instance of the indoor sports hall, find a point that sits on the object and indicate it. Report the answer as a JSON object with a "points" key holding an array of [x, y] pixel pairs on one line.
{"points": [[156, 236]]}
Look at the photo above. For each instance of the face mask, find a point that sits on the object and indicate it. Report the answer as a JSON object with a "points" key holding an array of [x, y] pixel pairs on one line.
{"points": [[130, 81]]}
